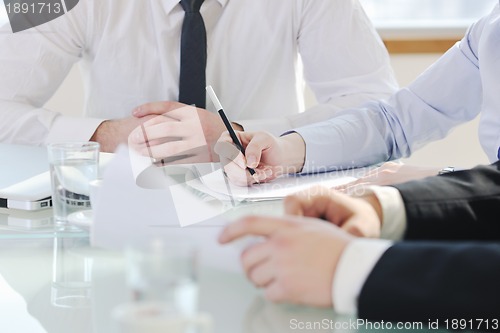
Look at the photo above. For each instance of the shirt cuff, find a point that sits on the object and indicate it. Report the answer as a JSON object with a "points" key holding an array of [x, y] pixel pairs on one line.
{"points": [[393, 212], [354, 267], [72, 129]]}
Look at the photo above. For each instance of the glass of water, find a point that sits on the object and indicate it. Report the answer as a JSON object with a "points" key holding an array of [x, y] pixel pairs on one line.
{"points": [[165, 271], [73, 165], [71, 273]]}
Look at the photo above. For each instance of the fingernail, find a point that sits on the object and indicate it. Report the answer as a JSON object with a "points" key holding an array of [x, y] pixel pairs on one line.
{"points": [[136, 111]]}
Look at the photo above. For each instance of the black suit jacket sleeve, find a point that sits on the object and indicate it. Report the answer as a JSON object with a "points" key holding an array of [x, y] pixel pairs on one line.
{"points": [[429, 280], [422, 281], [457, 205]]}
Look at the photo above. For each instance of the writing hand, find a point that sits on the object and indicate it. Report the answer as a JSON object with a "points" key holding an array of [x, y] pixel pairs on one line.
{"points": [[268, 155]]}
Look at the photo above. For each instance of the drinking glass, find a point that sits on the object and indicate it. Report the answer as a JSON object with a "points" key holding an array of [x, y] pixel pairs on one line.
{"points": [[73, 165]]}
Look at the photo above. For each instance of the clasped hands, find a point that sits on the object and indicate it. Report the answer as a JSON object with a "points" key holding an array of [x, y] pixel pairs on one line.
{"points": [[173, 131]]}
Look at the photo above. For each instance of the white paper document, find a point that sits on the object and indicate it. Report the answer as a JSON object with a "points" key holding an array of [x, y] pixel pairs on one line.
{"points": [[209, 178], [138, 205]]}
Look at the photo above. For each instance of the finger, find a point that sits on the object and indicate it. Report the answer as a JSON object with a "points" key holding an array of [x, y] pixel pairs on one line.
{"points": [[173, 148], [363, 227], [293, 205], [167, 129], [229, 152], [275, 292], [312, 202], [251, 225], [262, 274], [184, 112], [253, 151], [353, 228], [156, 108], [242, 177], [323, 203], [230, 156], [236, 174], [225, 137], [139, 134], [245, 137], [254, 255]]}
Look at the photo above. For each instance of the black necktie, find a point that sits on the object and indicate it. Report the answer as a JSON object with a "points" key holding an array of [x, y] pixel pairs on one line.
{"points": [[192, 80]]}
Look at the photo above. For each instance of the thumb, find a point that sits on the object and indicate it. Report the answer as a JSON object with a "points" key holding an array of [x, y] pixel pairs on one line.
{"points": [[258, 143]]}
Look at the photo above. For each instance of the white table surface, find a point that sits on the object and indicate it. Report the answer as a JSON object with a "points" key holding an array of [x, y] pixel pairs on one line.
{"points": [[28, 253], [26, 274]]}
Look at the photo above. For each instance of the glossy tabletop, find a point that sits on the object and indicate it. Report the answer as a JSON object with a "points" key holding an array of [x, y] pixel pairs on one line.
{"points": [[28, 267]]}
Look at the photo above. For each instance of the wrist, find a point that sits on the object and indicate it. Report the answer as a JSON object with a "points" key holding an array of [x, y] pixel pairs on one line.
{"points": [[390, 209], [373, 201], [103, 135], [294, 149], [99, 131]]}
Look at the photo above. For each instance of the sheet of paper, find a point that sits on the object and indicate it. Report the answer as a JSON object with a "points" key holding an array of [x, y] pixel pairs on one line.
{"points": [[129, 208], [131, 214], [216, 184]]}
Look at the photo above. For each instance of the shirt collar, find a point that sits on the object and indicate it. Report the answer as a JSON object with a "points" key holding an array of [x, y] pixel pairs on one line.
{"points": [[170, 4]]}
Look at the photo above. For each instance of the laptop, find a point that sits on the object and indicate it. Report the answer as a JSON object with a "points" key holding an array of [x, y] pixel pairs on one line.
{"points": [[24, 178]]}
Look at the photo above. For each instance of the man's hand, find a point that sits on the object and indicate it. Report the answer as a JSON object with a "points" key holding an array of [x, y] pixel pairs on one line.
{"points": [[177, 130], [111, 133], [297, 260], [268, 155], [358, 217]]}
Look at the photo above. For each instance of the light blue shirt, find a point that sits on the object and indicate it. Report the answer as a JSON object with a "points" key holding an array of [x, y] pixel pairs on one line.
{"points": [[464, 82]]}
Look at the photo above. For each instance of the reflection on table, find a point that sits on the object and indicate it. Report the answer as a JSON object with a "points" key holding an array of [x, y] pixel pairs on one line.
{"points": [[41, 270]]}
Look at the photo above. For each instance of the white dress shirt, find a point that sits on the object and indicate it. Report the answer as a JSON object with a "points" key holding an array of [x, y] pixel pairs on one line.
{"points": [[361, 255], [460, 85], [129, 55]]}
